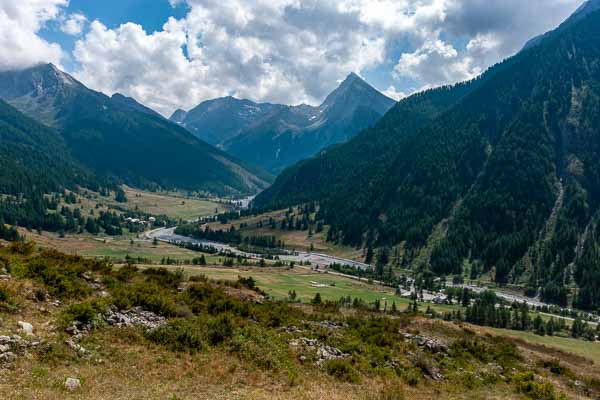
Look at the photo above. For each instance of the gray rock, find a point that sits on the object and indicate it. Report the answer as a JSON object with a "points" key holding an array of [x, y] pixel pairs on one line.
{"points": [[134, 317], [8, 357], [323, 352], [72, 384], [433, 345], [81, 351], [26, 327]]}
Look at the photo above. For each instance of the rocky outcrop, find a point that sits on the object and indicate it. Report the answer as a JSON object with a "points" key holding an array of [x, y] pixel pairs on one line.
{"points": [[433, 345], [323, 352], [134, 317], [12, 347]]}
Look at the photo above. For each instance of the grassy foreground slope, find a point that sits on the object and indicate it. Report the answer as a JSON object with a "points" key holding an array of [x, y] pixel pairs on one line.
{"points": [[205, 339]]}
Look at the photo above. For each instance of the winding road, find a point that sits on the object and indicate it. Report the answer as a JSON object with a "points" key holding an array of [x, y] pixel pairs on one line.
{"points": [[168, 235]]}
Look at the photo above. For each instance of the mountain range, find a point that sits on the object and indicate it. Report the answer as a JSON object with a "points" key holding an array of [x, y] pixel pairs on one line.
{"points": [[118, 137], [274, 136], [499, 175]]}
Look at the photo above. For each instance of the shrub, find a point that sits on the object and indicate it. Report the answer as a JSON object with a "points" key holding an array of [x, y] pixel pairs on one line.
{"points": [[342, 370], [84, 313], [61, 274], [264, 349], [163, 277], [412, 376], [557, 369], [149, 296], [7, 299], [125, 273], [179, 335], [4, 294], [219, 329], [22, 248], [526, 384]]}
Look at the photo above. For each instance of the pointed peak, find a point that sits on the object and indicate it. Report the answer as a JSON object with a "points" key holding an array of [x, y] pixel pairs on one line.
{"points": [[178, 116], [352, 78]]}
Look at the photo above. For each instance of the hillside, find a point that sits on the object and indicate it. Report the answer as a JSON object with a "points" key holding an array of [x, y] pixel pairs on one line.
{"points": [[83, 328], [119, 137], [34, 161], [507, 165], [276, 136], [33, 156]]}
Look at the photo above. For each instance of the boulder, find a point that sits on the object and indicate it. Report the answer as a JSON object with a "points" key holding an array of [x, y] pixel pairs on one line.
{"points": [[72, 384], [26, 327], [7, 358]]}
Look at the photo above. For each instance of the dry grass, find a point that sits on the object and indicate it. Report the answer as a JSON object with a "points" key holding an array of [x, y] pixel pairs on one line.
{"points": [[173, 205], [116, 248]]}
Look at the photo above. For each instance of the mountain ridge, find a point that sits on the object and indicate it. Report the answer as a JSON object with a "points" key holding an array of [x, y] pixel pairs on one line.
{"points": [[275, 136], [119, 137]]}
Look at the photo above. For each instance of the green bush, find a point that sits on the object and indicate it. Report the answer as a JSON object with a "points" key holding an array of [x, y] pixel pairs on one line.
{"points": [[556, 368], [149, 296], [182, 335], [62, 274], [126, 272], [163, 277], [5, 296], [83, 313], [526, 384], [412, 376], [7, 299], [342, 370], [263, 348], [219, 329]]}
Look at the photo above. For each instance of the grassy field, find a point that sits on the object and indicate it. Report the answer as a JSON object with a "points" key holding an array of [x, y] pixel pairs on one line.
{"points": [[172, 205], [582, 348], [116, 248], [277, 282]]}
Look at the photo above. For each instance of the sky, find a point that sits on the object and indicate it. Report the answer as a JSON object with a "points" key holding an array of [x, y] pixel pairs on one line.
{"points": [[171, 54]]}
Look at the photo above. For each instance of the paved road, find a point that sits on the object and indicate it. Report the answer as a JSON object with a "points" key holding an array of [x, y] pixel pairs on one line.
{"points": [[322, 260]]}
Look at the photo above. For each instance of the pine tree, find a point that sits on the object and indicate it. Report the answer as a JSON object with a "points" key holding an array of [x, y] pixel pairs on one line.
{"points": [[317, 299]]}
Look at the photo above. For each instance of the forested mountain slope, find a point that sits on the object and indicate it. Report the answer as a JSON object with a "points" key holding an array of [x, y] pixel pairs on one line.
{"points": [[508, 165], [34, 161], [33, 156], [118, 137]]}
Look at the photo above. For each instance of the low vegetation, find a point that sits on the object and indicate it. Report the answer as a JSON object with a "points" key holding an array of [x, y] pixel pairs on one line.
{"points": [[354, 349]]}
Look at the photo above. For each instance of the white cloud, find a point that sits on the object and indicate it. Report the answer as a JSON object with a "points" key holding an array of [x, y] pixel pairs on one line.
{"points": [[282, 51], [393, 93], [74, 24], [494, 29], [288, 51], [20, 23], [436, 63]]}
